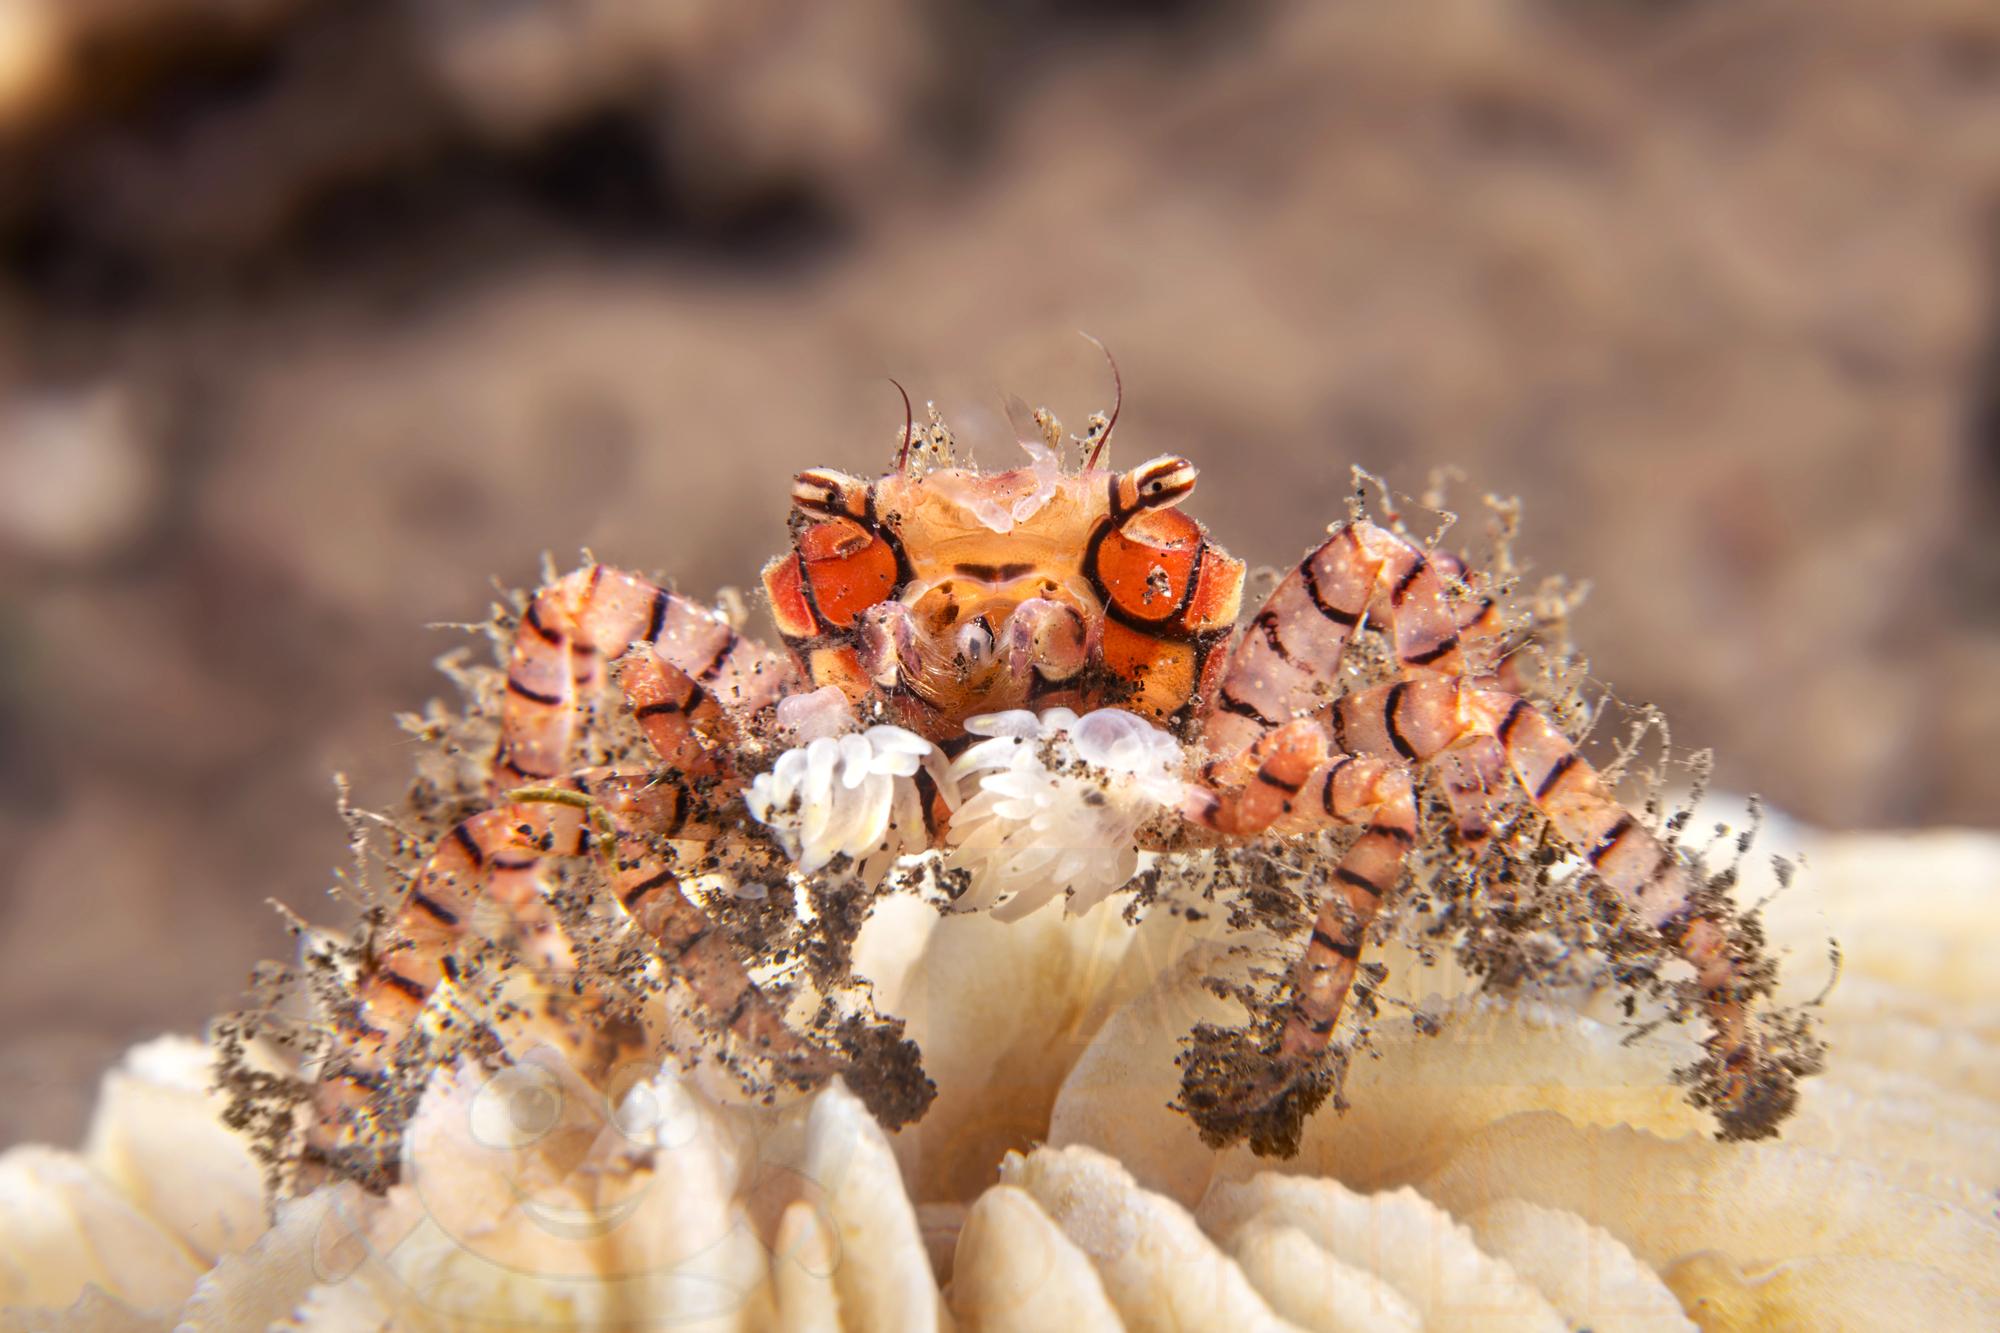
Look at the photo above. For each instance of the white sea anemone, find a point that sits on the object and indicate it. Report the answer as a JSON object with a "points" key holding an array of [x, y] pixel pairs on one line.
{"points": [[1059, 803], [853, 795]]}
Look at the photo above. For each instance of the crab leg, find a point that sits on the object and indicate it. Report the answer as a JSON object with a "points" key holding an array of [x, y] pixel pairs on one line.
{"points": [[1286, 662], [1292, 778], [495, 858], [1472, 771], [1419, 718], [700, 953], [1299, 783], [1377, 793], [575, 625]]}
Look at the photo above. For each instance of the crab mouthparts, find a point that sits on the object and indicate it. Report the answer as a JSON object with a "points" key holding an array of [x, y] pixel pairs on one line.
{"points": [[992, 657]]}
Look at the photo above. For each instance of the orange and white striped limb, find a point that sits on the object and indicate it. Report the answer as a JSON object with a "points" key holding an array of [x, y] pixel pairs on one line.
{"points": [[1297, 782], [1286, 662], [700, 679], [1287, 750], [1419, 719], [493, 863]]}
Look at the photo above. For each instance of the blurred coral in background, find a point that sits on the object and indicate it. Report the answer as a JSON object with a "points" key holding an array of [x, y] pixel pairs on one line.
{"points": [[318, 315]]}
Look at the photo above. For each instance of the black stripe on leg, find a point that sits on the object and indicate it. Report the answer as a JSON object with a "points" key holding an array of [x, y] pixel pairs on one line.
{"points": [[432, 908], [641, 889], [1555, 774], [667, 706], [535, 696], [658, 620], [1326, 792], [714, 668], [1514, 715], [1358, 880], [1611, 839], [1267, 623], [1229, 703], [534, 622], [1288, 788], [1449, 643], [1348, 951], [683, 806], [1310, 579], [1321, 1026], [513, 766], [465, 839], [416, 990], [1402, 588], [1389, 707]]}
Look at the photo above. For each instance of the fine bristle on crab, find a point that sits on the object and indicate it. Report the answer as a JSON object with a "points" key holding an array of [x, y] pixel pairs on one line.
{"points": [[1000, 688]]}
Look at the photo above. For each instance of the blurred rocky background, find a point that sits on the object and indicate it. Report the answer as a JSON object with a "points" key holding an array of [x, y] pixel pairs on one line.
{"points": [[317, 316]]}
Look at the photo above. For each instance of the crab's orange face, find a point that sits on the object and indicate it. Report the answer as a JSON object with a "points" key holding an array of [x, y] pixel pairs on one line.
{"points": [[956, 592]]}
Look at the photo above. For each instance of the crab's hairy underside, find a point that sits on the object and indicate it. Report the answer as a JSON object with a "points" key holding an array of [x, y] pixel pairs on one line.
{"points": [[597, 837]]}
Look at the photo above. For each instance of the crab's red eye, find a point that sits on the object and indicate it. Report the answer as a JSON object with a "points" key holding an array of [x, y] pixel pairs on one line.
{"points": [[847, 568]]}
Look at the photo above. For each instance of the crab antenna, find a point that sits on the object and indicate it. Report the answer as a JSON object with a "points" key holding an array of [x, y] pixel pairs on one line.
{"points": [[909, 425], [1117, 401]]}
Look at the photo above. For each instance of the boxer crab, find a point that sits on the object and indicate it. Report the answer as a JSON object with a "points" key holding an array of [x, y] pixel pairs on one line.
{"points": [[1032, 676]]}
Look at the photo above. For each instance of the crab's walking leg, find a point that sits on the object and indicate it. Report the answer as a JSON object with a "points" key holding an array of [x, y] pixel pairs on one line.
{"points": [[1297, 782], [1419, 718], [1286, 662], [700, 953], [590, 617], [1351, 791], [495, 858], [1472, 771], [1476, 617]]}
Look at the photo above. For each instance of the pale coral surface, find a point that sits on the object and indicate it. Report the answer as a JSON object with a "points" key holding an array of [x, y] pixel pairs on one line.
{"points": [[1528, 1167]]}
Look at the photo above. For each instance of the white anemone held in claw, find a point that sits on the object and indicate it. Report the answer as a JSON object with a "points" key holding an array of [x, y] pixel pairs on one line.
{"points": [[1058, 806], [853, 795]]}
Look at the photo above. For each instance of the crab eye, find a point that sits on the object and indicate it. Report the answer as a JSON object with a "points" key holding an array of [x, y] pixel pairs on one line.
{"points": [[1161, 482], [821, 493]]}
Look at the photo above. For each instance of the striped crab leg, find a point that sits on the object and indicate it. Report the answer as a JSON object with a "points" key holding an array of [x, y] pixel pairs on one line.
{"points": [[1299, 783], [1472, 771], [1421, 718], [592, 616], [495, 858], [1286, 662]]}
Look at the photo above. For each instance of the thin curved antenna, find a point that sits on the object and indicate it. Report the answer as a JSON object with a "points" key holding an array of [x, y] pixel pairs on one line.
{"points": [[909, 425], [1117, 401]]}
